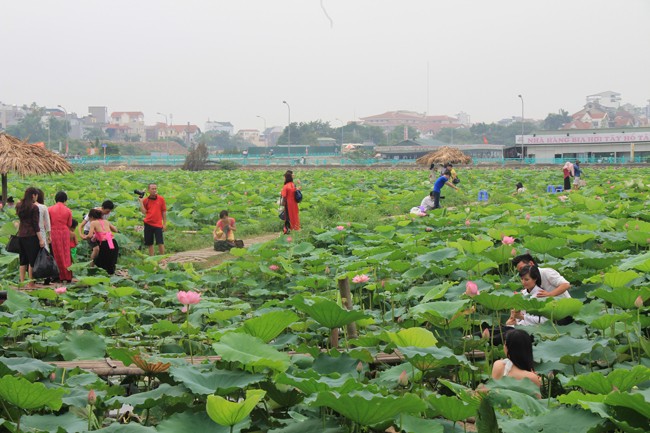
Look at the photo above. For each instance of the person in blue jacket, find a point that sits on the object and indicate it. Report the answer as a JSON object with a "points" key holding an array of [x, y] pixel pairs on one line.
{"points": [[437, 187]]}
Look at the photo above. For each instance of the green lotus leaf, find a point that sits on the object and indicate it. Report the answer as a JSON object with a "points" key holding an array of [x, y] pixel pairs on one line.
{"points": [[193, 422], [228, 413], [312, 382], [416, 337], [557, 420], [310, 425], [437, 256], [543, 245], [496, 302], [443, 309], [384, 229], [268, 326], [638, 237], [25, 366], [26, 395], [501, 254], [326, 312], [474, 247], [558, 309], [581, 238], [53, 423], [250, 351], [566, 349], [149, 399], [119, 292], [429, 358], [132, 427], [640, 263], [83, 345], [92, 281], [621, 297], [370, 409], [452, 408], [638, 401], [412, 424], [213, 381], [414, 273], [606, 321], [619, 279]]}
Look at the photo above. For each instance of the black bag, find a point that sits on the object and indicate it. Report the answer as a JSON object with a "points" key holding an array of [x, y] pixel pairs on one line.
{"points": [[456, 181], [239, 243], [45, 266], [13, 246], [298, 196], [222, 246], [282, 215]]}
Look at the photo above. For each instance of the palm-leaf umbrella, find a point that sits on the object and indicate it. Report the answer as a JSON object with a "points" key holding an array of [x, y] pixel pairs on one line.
{"points": [[444, 154], [25, 159]]}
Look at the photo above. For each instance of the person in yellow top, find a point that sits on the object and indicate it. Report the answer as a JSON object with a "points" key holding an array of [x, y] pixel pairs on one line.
{"points": [[454, 176]]}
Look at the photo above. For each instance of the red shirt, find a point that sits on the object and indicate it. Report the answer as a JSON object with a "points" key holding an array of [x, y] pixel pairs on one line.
{"points": [[155, 209]]}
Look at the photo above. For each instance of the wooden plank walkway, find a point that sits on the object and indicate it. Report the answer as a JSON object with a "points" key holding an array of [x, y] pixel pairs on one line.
{"points": [[111, 367]]}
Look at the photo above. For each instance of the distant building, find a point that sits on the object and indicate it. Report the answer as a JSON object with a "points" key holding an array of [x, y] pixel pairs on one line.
{"points": [[99, 114], [211, 125], [10, 115], [132, 120], [251, 136], [606, 99], [427, 126]]}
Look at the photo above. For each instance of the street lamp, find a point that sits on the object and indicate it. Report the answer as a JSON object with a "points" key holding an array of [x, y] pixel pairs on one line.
{"points": [[288, 131], [265, 138], [65, 126], [522, 127]]}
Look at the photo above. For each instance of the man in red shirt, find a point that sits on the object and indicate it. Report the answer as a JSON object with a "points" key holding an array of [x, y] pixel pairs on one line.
{"points": [[154, 209]]}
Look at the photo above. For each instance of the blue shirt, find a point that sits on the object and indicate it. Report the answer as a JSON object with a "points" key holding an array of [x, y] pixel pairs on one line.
{"points": [[576, 170], [439, 183]]}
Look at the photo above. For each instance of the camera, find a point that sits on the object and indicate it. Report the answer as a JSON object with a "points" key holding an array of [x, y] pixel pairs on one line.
{"points": [[139, 193]]}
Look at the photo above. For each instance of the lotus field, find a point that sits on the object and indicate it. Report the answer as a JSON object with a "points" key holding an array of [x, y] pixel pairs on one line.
{"points": [[260, 341]]}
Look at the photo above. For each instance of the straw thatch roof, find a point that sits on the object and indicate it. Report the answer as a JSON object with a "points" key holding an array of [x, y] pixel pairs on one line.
{"points": [[443, 155], [17, 156]]}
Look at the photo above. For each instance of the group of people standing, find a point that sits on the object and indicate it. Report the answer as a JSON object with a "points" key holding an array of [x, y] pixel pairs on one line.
{"points": [[572, 170], [53, 229]]}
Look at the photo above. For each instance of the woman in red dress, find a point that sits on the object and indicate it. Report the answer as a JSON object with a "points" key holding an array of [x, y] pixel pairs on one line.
{"points": [[61, 220], [292, 216]]}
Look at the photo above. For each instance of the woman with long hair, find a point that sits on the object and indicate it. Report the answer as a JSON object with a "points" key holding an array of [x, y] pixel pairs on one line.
{"points": [[519, 363], [108, 248], [291, 212], [61, 219], [567, 172], [29, 233]]}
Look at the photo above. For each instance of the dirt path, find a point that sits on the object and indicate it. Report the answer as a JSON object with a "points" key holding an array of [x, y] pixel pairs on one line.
{"points": [[206, 254]]}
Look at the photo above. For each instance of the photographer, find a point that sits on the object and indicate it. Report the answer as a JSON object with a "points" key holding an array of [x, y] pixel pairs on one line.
{"points": [[154, 209]]}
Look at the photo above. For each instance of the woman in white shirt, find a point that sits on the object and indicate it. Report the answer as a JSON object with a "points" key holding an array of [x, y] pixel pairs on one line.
{"points": [[43, 219]]}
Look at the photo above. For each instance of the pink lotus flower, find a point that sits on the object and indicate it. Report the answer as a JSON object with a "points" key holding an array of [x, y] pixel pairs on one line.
{"points": [[513, 252], [289, 239], [340, 228], [184, 309], [467, 223], [363, 278], [403, 379], [508, 240], [60, 290], [638, 302], [274, 267], [245, 192], [612, 187], [349, 224], [471, 289], [563, 198], [428, 229], [189, 297], [609, 181], [92, 397], [527, 217]]}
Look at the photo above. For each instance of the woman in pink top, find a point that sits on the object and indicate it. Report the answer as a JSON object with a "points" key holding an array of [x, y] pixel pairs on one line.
{"points": [[60, 222], [108, 248]]}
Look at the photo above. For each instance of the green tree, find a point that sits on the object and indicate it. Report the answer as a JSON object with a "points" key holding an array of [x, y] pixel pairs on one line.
{"points": [[456, 136], [556, 121], [397, 134], [307, 133], [34, 127], [356, 133], [94, 134]]}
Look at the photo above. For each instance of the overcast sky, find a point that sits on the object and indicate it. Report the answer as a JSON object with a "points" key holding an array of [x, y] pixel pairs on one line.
{"points": [[233, 60]]}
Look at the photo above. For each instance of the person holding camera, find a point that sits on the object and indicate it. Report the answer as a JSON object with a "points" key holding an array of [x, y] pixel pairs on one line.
{"points": [[154, 209]]}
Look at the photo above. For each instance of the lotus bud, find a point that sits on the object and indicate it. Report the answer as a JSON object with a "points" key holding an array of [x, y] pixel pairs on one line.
{"points": [[513, 252], [327, 270], [527, 217], [471, 289], [428, 229], [486, 333], [359, 367], [636, 227], [638, 302], [289, 239], [52, 376], [551, 375], [403, 379], [92, 397], [467, 223], [627, 226]]}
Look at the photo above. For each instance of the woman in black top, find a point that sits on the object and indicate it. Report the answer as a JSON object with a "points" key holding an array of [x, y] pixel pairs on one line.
{"points": [[29, 234]]}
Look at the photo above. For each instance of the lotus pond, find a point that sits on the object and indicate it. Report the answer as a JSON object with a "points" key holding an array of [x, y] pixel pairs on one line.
{"points": [[269, 313]]}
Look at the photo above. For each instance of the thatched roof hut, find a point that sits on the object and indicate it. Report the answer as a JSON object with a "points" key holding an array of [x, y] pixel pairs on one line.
{"points": [[443, 155], [20, 157]]}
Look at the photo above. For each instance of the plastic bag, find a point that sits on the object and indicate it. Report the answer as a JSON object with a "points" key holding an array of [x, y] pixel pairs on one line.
{"points": [[45, 266]]}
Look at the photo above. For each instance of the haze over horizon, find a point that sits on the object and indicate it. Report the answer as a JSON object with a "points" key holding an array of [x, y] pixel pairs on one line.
{"points": [[329, 59]]}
